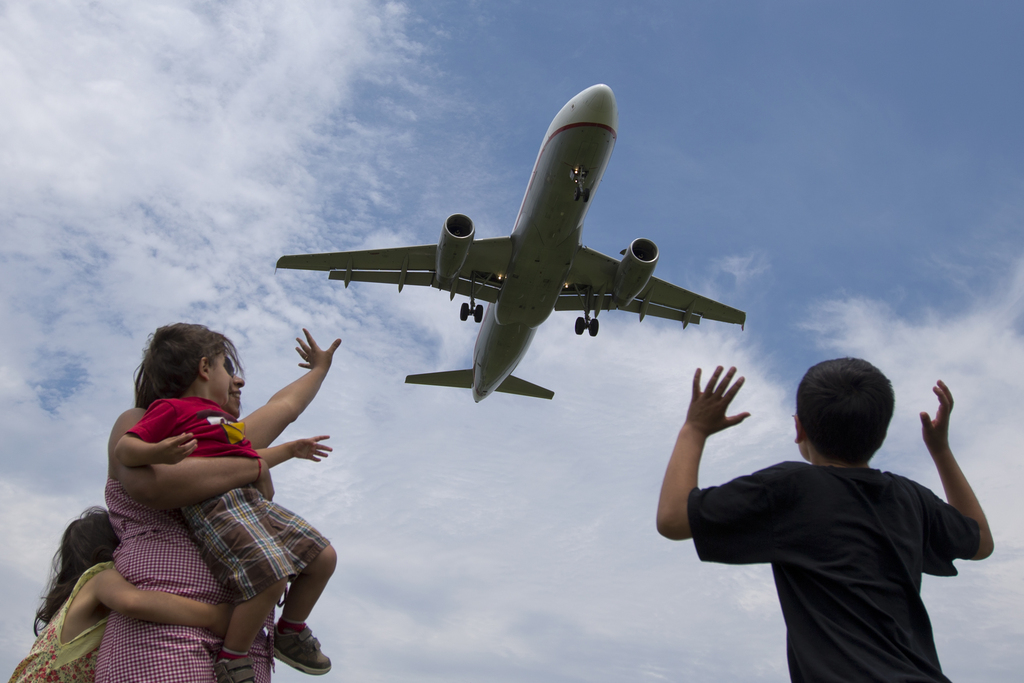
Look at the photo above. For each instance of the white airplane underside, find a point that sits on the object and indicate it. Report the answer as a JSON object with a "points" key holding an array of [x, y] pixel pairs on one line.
{"points": [[541, 267]]}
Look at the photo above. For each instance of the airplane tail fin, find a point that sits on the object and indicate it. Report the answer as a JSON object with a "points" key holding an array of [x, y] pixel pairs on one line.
{"points": [[463, 379]]}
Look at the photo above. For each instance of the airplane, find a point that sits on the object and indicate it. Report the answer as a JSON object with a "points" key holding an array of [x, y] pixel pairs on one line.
{"points": [[541, 267]]}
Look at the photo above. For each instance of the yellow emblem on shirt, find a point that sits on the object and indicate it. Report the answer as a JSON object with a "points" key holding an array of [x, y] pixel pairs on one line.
{"points": [[234, 431]]}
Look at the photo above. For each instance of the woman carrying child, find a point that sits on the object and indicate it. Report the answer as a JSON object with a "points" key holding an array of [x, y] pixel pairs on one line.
{"points": [[252, 545], [157, 551]]}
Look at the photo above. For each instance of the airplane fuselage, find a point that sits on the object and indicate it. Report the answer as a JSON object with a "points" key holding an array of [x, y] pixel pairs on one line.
{"points": [[572, 159]]}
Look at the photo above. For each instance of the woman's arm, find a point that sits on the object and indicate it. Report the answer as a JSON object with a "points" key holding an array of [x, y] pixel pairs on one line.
{"points": [[191, 481], [266, 424]]}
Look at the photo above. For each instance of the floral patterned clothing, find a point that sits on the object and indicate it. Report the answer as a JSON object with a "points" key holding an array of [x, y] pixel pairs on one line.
{"points": [[52, 661]]}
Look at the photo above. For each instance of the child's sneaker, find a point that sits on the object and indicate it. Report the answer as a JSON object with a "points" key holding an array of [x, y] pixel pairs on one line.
{"points": [[234, 671], [301, 651]]}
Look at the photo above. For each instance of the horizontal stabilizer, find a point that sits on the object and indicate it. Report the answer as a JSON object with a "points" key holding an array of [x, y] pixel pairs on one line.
{"points": [[514, 385], [460, 379], [463, 379]]}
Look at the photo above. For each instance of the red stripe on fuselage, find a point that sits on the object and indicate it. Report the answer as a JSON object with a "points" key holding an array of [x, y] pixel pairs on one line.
{"points": [[578, 125]]}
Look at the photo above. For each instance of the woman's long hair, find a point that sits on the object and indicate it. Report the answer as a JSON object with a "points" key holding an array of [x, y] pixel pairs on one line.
{"points": [[171, 360], [87, 541]]}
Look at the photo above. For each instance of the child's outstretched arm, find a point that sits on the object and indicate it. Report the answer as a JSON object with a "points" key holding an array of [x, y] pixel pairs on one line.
{"points": [[109, 591], [959, 493], [131, 451], [306, 449], [705, 416]]}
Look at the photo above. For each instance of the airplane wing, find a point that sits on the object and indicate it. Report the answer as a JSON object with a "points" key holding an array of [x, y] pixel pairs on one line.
{"points": [[480, 276], [590, 283]]}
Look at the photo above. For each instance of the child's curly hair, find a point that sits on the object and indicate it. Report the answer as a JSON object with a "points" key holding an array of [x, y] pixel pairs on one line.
{"points": [[171, 361]]}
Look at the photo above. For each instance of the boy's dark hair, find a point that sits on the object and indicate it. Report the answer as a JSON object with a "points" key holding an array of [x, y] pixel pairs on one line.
{"points": [[171, 361], [845, 406], [87, 541]]}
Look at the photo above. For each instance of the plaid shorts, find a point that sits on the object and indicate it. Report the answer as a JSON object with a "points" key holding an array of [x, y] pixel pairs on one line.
{"points": [[250, 543]]}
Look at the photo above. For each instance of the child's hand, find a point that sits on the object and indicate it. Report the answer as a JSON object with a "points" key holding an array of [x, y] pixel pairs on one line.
{"points": [[313, 355], [707, 409], [936, 432], [311, 448], [264, 484], [174, 449], [222, 615]]}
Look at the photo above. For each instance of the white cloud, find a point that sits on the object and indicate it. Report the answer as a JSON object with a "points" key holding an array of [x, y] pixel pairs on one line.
{"points": [[744, 268]]}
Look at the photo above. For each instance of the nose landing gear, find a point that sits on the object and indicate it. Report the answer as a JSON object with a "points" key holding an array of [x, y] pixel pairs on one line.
{"points": [[578, 175]]}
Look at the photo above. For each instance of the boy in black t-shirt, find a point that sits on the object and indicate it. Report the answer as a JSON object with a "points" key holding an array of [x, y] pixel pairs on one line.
{"points": [[847, 543]]}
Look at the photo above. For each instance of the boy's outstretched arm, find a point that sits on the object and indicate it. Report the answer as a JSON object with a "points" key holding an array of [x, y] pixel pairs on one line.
{"points": [[705, 416], [959, 493], [131, 451], [306, 449]]}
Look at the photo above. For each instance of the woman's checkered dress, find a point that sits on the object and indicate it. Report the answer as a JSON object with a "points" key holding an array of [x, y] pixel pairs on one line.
{"points": [[157, 553]]}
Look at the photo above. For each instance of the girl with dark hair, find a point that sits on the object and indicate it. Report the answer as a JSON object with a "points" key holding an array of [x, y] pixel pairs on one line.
{"points": [[83, 590]]}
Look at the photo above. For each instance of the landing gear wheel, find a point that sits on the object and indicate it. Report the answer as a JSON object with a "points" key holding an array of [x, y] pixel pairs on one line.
{"points": [[581, 325], [586, 195], [576, 194], [592, 327], [464, 313], [478, 313]]}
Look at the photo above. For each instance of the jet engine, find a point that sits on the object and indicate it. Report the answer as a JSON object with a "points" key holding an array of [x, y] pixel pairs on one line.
{"points": [[453, 248], [635, 271]]}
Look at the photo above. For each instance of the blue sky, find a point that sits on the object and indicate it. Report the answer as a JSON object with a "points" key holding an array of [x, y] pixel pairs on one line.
{"points": [[850, 175]]}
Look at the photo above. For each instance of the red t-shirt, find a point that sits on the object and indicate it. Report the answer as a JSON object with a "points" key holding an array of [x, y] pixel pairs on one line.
{"points": [[216, 432]]}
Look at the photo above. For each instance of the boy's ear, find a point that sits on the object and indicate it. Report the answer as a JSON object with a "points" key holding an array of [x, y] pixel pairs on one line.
{"points": [[801, 435], [204, 368]]}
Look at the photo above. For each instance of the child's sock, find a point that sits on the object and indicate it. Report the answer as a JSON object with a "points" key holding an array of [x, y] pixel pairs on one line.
{"points": [[284, 626], [231, 654]]}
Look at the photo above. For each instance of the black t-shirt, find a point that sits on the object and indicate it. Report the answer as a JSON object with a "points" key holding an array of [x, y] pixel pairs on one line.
{"points": [[847, 547]]}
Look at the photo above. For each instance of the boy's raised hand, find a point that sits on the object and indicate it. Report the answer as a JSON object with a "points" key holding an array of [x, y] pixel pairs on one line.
{"points": [[936, 432], [707, 409], [311, 448], [705, 416], [313, 356]]}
